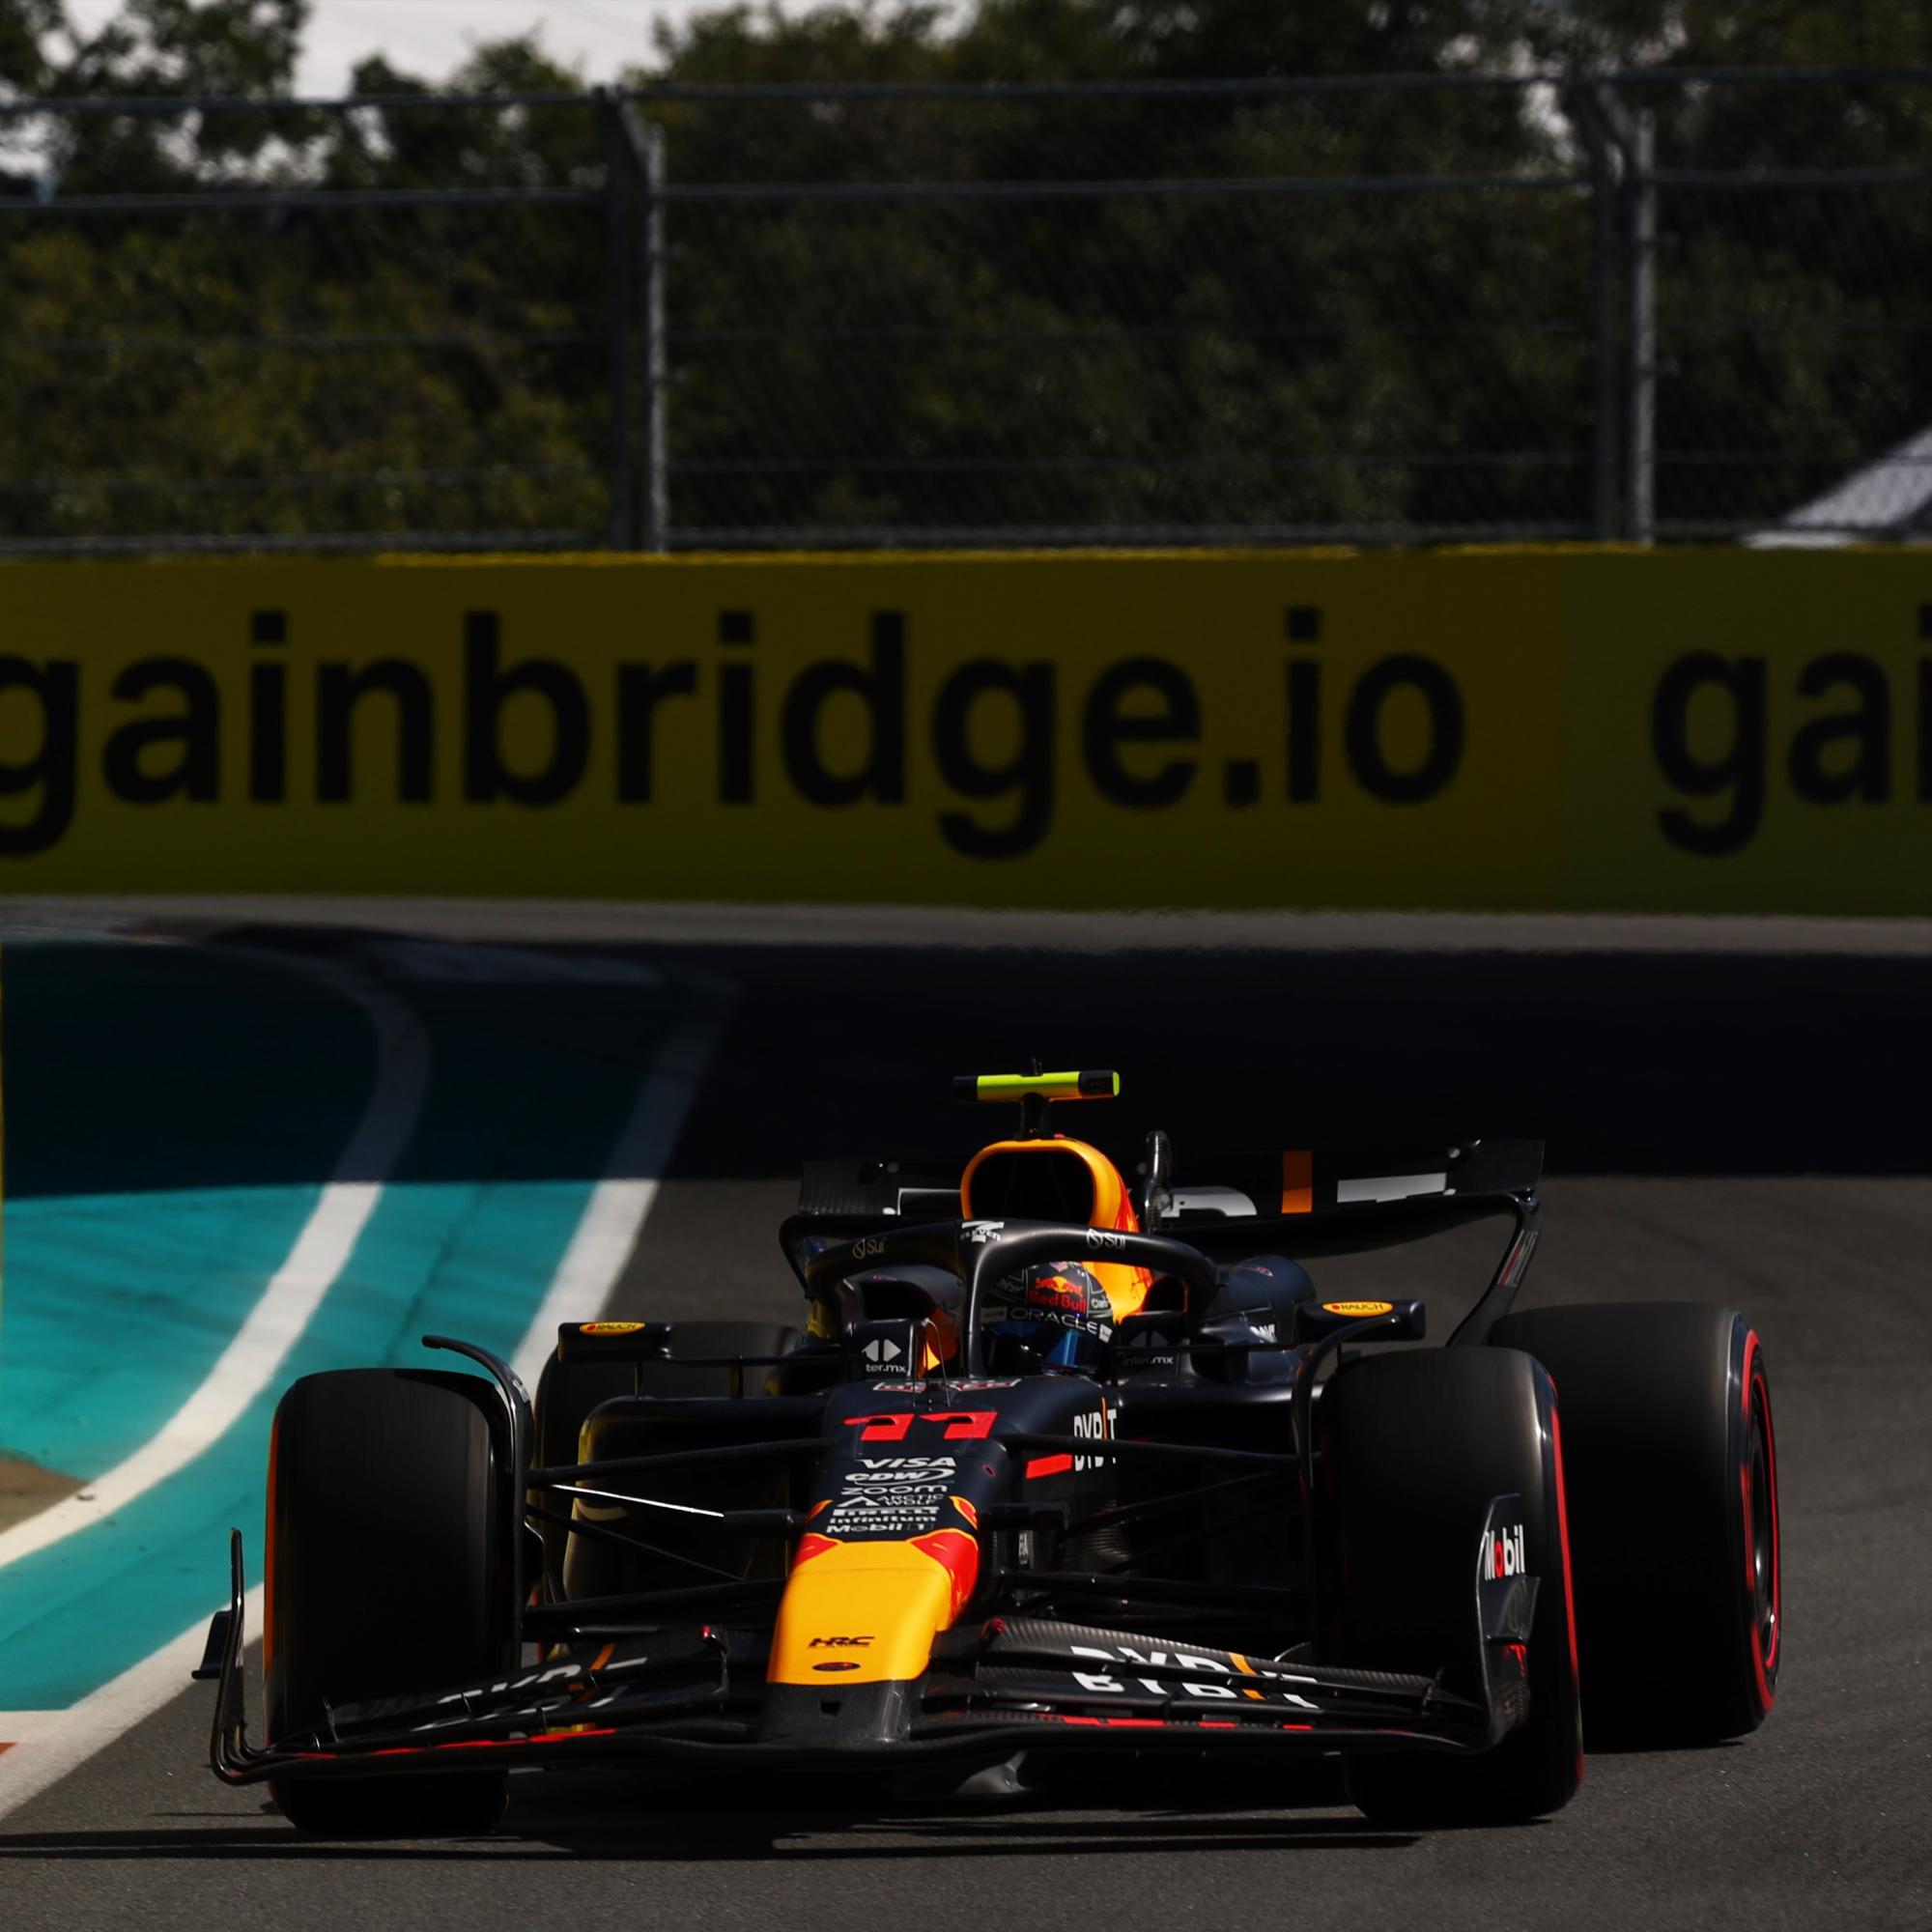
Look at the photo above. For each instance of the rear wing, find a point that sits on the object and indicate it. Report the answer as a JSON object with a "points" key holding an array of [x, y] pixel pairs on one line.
{"points": [[1310, 1202], [1310, 1192]]}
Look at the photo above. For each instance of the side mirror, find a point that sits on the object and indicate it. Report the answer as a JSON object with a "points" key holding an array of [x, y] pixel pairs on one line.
{"points": [[1394, 1321], [613, 1342]]}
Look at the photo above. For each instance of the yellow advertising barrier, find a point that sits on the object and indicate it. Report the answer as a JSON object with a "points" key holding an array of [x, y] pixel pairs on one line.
{"points": [[1692, 730]]}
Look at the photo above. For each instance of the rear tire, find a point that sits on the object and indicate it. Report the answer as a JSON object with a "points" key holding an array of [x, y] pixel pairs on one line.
{"points": [[1417, 1444], [386, 1574], [568, 1392], [1673, 1494]]}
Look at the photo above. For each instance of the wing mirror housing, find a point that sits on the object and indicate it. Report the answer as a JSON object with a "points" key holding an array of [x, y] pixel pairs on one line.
{"points": [[1392, 1321]]}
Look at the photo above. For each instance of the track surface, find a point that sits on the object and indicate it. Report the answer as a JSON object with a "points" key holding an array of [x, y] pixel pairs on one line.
{"points": [[1745, 1129]]}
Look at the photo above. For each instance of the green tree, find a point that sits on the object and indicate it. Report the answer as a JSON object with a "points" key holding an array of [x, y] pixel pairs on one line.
{"points": [[1407, 359]]}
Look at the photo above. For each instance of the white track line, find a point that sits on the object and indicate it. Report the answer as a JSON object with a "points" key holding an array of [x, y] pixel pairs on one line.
{"points": [[48, 1746], [44, 1746], [276, 1321], [614, 1215], [50, 1743]]}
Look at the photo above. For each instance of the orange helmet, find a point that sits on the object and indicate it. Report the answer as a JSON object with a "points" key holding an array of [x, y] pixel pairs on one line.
{"points": [[1054, 1178]]}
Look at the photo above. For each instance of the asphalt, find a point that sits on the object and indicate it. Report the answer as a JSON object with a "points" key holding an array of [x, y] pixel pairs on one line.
{"points": [[1740, 1125]]}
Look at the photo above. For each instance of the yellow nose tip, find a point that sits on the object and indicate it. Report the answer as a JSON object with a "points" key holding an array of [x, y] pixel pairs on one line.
{"points": [[861, 1612]]}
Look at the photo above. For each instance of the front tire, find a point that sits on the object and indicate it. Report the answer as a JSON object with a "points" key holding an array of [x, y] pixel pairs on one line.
{"points": [[1418, 1443], [1673, 1488], [386, 1574]]}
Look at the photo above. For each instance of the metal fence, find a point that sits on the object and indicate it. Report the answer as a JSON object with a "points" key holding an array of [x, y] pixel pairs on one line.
{"points": [[1443, 308]]}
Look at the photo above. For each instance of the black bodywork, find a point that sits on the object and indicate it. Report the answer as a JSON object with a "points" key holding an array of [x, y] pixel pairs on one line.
{"points": [[1150, 1565]]}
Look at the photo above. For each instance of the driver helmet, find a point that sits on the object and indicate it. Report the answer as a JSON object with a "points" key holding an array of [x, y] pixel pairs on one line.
{"points": [[1057, 1316]]}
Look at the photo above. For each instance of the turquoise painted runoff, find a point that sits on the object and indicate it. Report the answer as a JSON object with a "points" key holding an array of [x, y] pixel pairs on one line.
{"points": [[116, 1304]]}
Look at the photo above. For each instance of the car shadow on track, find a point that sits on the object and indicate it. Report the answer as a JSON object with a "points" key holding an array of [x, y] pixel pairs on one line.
{"points": [[569, 1817], [662, 1841]]}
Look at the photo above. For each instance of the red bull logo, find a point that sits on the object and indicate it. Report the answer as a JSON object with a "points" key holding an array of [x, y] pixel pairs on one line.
{"points": [[1057, 1291]]}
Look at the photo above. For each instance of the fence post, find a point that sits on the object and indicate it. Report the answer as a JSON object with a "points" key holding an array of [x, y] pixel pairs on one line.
{"points": [[647, 142], [1623, 149], [1641, 188], [1603, 334], [1595, 114], [617, 326]]}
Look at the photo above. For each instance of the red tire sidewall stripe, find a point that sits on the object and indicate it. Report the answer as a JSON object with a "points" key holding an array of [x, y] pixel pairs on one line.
{"points": [[1754, 1392], [1563, 1543]]}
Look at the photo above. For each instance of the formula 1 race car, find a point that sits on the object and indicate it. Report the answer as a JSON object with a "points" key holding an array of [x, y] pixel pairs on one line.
{"points": [[1059, 1465]]}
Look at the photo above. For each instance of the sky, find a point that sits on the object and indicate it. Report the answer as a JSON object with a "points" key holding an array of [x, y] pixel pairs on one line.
{"points": [[431, 37]]}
